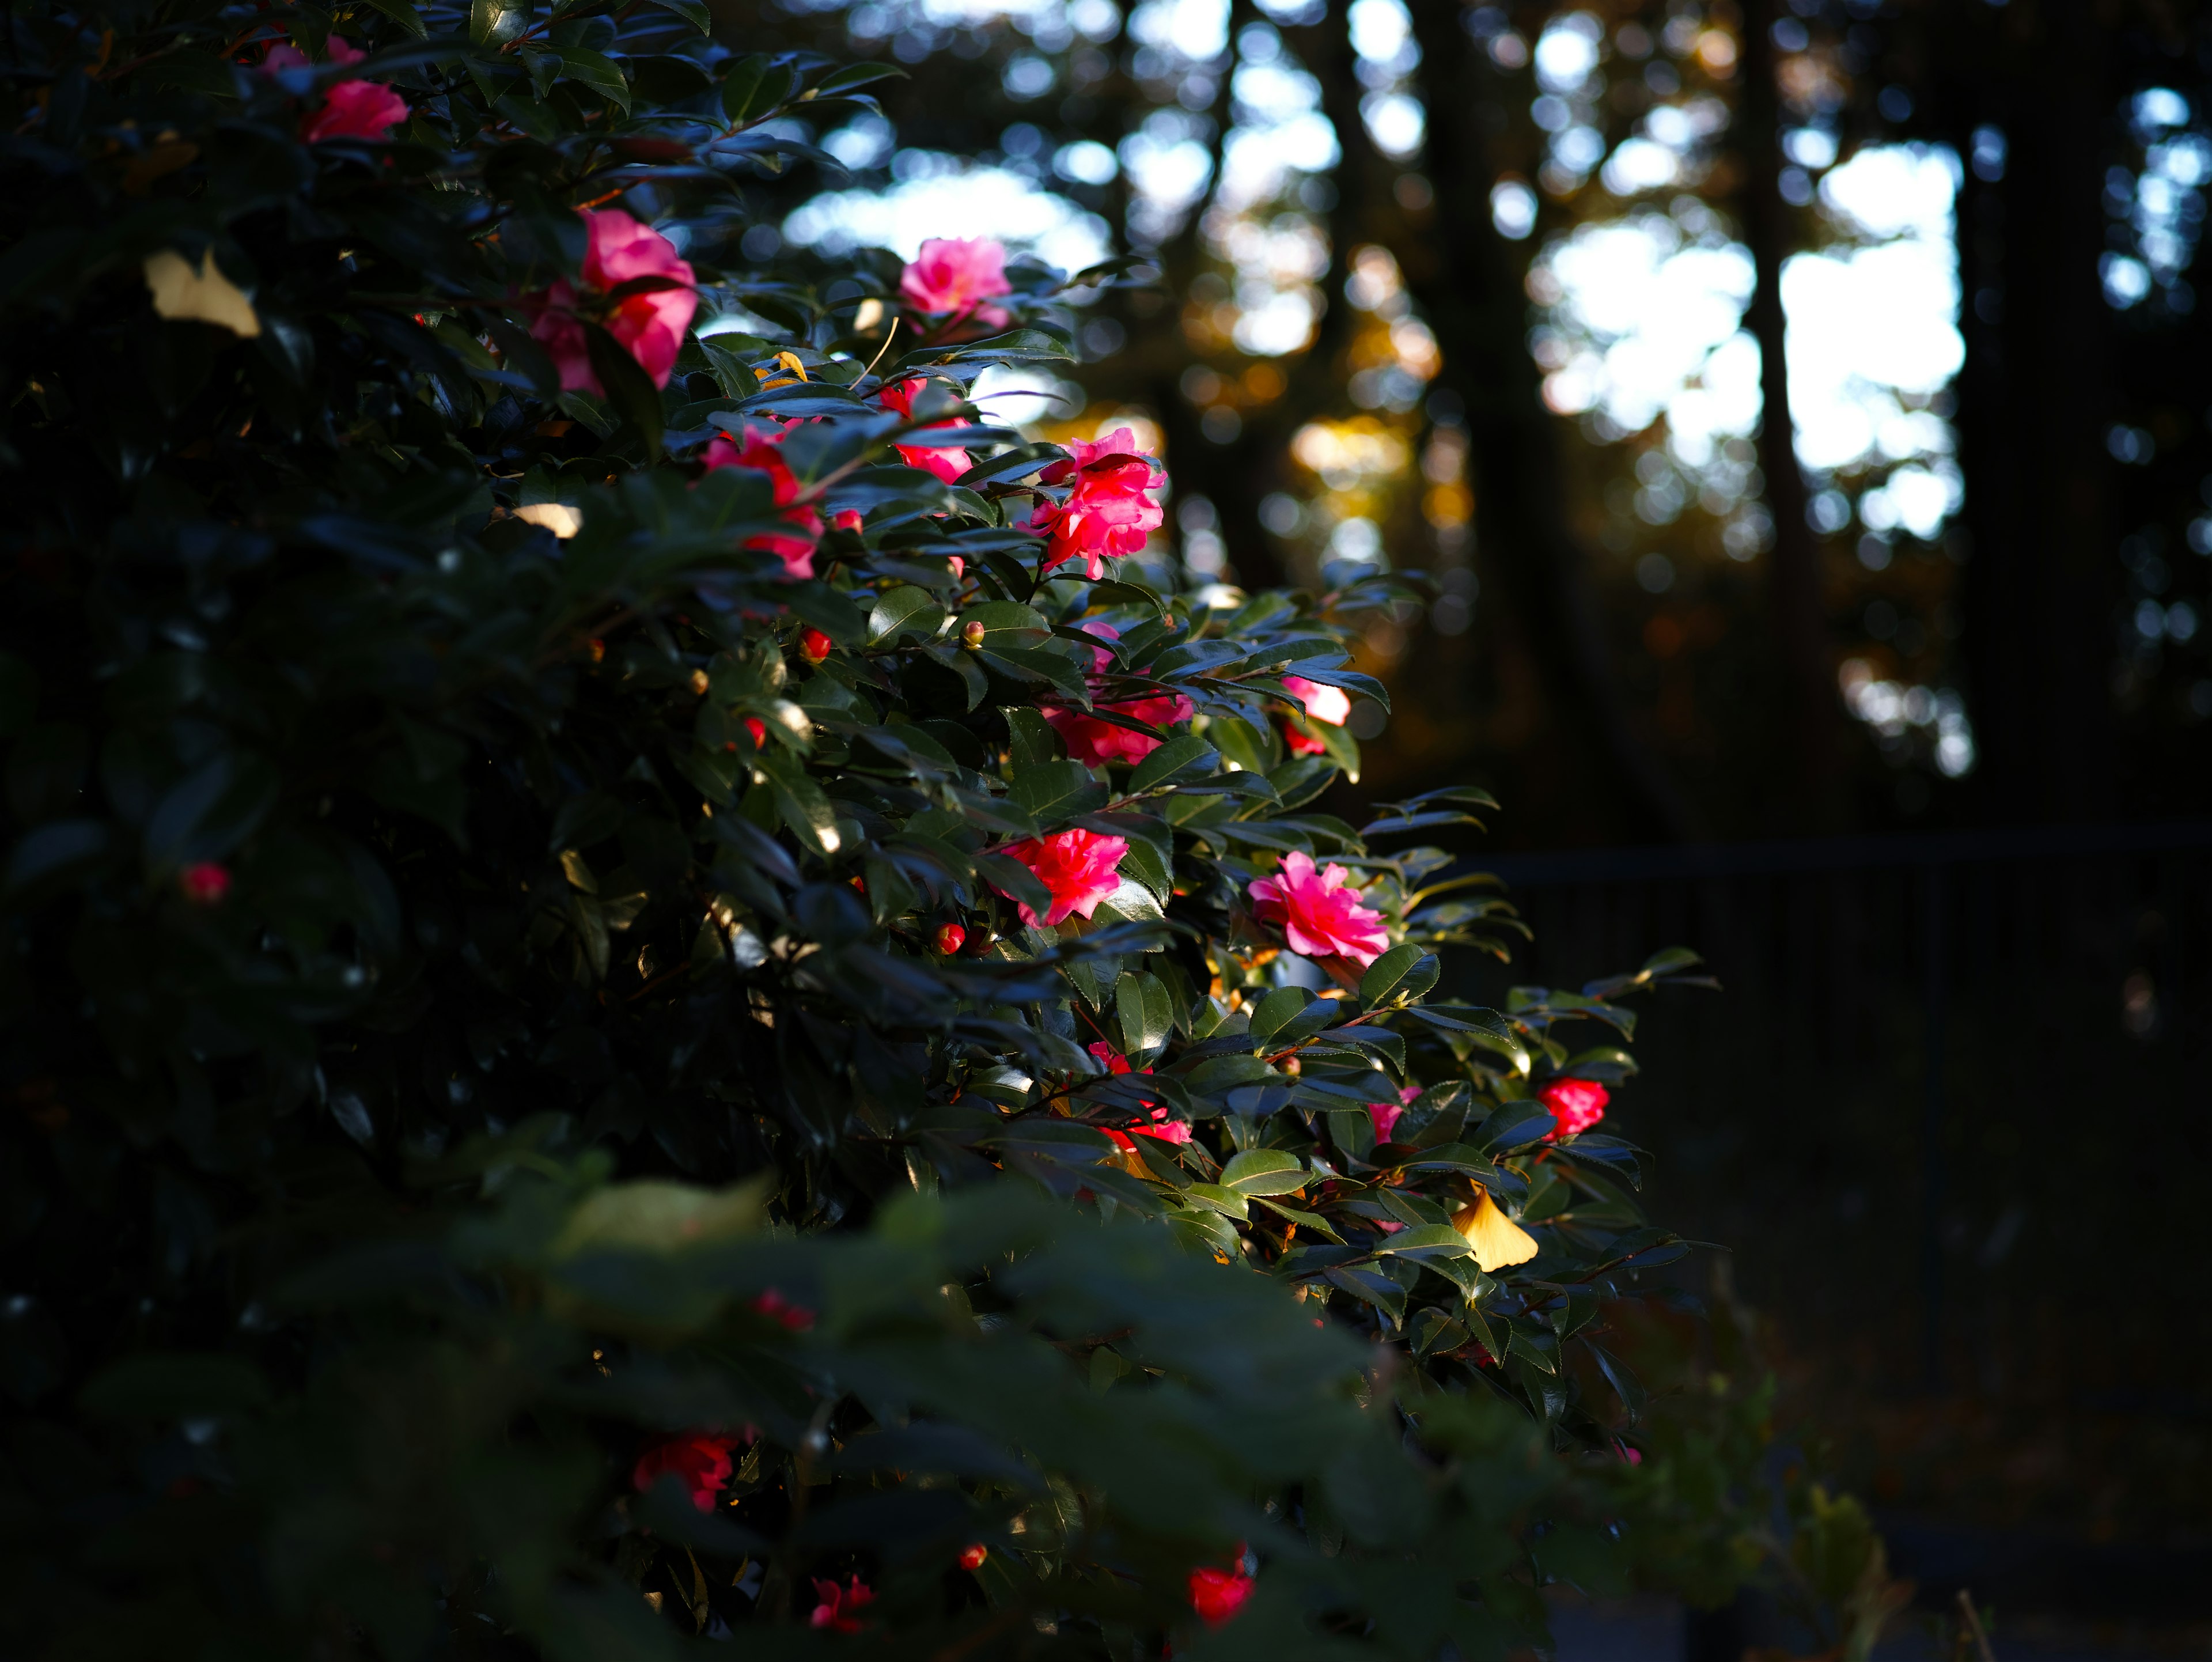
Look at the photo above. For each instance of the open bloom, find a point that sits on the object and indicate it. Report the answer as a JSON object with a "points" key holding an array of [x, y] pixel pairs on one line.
{"points": [[1330, 705], [953, 277], [1165, 1128], [1318, 914], [1080, 868], [1108, 509], [352, 108], [700, 1459], [759, 452], [840, 1608], [1576, 1103], [1218, 1594], [1498, 1242], [946, 461], [649, 325], [1094, 742], [1385, 1114]]}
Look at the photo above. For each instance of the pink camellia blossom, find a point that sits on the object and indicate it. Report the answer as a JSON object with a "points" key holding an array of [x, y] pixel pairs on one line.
{"points": [[759, 453], [352, 108], [1108, 510], [840, 1608], [1167, 1129], [1385, 1114], [1218, 1594], [946, 461], [649, 326], [702, 1460], [1330, 705], [1095, 743], [1079, 867], [953, 277], [1318, 914], [1576, 1103]]}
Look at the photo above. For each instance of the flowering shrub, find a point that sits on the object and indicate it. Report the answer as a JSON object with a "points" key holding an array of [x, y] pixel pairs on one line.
{"points": [[635, 1013]]}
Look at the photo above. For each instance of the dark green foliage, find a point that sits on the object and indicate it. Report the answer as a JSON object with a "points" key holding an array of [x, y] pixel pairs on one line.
{"points": [[478, 1003]]}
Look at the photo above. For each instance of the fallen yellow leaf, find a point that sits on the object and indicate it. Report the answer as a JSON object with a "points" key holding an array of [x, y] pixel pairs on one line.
{"points": [[1498, 1242], [205, 296]]}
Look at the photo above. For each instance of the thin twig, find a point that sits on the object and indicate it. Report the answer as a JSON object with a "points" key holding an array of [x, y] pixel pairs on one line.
{"points": [[1974, 1626]]}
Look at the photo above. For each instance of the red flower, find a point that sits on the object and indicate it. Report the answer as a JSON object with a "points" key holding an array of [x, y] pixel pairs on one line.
{"points": [[839, 1609], [847, 519], [1576, 1103], [950, 938], [1108, 510], [1078, 868], [650, 326], [795, 1318], [758, 729], [701, 1458], [1385, 1114], [952, 277], [205, 883], [352, 108], [1165, 1128], [972, 1557], [1318, 916], [759, 453], [946, 461], [1095, 743], [814, 646], [1217, 1595]]}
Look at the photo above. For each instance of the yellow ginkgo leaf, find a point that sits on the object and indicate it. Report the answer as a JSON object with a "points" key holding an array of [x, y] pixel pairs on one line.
{"points": [[205, 296], [558, 518], [1498, 1242]]}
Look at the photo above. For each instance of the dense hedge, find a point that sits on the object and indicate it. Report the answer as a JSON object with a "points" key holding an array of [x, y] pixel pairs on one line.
{"points": [[643, 957]]}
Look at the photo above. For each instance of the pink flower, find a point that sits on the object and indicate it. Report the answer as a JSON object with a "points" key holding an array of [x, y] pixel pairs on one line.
{"points": [[1318, 916], [1108, 509], [649, 326], [204, 883], [839, 1609], [700, 1459], [1329, 704], [759, 452], [1576, 1103], [944, 461], [1217, 1595], [1095, 743], [352, 108], [1385, 1114], [954, 276], [1079, 867]]}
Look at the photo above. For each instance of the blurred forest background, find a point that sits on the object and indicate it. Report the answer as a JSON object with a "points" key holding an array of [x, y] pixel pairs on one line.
{"points": [[1513, 295]]}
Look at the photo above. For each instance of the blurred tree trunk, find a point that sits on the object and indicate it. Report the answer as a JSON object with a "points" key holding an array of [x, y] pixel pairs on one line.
{"points": [[1467, 281], [2039, 579], [1796, 607]]}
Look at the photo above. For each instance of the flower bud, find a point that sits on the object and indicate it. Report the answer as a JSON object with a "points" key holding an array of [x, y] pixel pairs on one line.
{"points": [[758, 729], [950, 937], [699, 683], [813, 645], [972, 633], [972, 1557]]}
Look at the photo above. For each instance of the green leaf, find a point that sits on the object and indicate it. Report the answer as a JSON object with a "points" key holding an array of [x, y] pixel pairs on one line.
{"points": [[801, 803], [496, 23], [629, 389], [407, 16], [854, 76], [599, 72], [1052, 793], [1214, 1197], [1141, 1005], [902, 609], [1186, 755], [691, 12], [1401, 975], [1264, 1172]]}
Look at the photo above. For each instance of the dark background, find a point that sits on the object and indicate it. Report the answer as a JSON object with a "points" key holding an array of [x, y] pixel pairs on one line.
{"points": [[1949, 1112]]}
